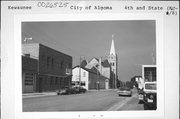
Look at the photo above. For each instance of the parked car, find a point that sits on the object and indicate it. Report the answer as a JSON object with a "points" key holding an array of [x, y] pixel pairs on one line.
{"points": [[150, 96], [65, 91], [79, 89], [125, 91], [82, 90]]}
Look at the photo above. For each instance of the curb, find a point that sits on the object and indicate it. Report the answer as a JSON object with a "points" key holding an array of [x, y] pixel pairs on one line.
{"points": [[29, 95], [38, 94]]}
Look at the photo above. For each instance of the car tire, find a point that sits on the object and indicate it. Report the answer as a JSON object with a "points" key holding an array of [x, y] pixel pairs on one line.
{"points": [[145, 107]]}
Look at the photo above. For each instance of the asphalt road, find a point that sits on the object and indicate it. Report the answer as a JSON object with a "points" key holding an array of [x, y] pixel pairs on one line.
{"points": [[103, 100]]}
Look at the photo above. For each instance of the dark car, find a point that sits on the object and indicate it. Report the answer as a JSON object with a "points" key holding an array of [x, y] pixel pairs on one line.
{"points": [[150, 96], [82, 90], [65, 91], [79, 89], [125, 91]]}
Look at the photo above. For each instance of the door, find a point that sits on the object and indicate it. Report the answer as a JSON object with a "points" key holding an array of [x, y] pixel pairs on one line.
{"points": [[29, 82], [40, 84], [107, 84]]}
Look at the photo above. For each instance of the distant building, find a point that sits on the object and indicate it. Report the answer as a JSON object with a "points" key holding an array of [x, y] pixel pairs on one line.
{"points": [[53, 67], [107, 67], [103, 68], [149, 73]]}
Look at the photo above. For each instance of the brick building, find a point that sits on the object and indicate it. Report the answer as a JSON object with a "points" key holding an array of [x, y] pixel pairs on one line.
{"points": [[53, 67]]}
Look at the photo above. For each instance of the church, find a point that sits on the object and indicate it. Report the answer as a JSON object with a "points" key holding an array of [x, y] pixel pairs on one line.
{"points": [[106, 70]]}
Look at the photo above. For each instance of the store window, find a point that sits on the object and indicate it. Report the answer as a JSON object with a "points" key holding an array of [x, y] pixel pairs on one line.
{"points": [[84, 74], [83, 83], [29, 77], [62, 64], [52, 63], [73, 83], [48, 61]]}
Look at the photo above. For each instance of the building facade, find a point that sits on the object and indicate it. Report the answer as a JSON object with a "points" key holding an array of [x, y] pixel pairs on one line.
{"points": [[29, 74], [53, 67], [90, 79], [82, 77]]}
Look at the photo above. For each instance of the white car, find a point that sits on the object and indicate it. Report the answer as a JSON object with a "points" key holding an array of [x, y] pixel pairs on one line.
{"points": [[125, 91]]}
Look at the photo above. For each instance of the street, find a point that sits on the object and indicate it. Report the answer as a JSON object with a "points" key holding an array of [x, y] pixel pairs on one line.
{"points": [[102, 100]]}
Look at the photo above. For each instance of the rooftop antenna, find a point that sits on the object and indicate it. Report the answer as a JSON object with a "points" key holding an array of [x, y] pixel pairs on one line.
{"points": [[26, 39]]}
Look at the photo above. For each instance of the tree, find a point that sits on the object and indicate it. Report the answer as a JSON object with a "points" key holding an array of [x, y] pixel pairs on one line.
{"points": [[128, 84], [119, 83], [134, 82]]}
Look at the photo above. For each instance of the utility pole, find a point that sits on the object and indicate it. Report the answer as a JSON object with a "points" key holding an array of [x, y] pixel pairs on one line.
{"points": [[116, 71], [80, 72], [97, 80]]}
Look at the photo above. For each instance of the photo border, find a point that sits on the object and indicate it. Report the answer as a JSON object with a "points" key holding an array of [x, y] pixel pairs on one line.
{"points": [[158, 17]]}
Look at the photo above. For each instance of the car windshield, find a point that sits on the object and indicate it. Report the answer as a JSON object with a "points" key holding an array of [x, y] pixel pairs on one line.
{"points": [[150, 86], [124, 88]]}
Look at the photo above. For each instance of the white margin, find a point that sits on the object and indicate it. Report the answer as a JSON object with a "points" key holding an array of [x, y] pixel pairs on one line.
{"points": [[158, 17]]}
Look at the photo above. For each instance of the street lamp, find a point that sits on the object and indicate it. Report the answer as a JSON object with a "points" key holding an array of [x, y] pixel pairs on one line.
{"points": [[80, 71]]}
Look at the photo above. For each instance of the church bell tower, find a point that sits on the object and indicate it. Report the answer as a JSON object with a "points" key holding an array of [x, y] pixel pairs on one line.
{"points": [[113, 62]]}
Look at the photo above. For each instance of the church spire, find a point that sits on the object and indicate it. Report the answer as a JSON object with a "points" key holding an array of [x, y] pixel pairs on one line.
{"points": [[112, 50]]}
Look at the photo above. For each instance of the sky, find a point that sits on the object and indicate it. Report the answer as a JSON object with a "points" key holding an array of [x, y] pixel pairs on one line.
{"points": [[135, 41]]}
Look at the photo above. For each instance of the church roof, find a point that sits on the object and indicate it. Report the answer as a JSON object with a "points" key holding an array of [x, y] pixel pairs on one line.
{"points": [[83, 63], [95, 59], [105, 63], [92, 70]]}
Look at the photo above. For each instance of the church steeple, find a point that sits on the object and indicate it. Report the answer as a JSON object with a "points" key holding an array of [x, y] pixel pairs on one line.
{"points": [[112, 50], [113, 62]]}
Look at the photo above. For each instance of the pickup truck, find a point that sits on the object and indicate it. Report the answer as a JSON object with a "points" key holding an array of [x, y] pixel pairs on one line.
{"points": [[150, 96]]}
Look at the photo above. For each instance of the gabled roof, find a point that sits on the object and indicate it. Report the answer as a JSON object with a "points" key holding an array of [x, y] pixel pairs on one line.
{"points": [[94, 58], [103, 77], [92, 70]]}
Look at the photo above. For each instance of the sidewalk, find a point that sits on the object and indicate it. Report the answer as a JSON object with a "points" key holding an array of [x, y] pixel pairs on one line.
{"points": [[28, 95]]}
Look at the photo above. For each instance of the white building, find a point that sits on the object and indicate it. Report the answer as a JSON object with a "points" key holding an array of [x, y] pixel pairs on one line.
{"points": [[84, 77], [90, 79]]}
